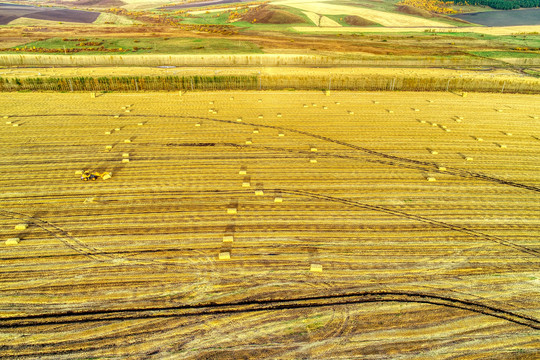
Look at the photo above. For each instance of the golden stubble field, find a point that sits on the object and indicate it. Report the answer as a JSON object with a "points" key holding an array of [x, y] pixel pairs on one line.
{"points": [[421, 209]]}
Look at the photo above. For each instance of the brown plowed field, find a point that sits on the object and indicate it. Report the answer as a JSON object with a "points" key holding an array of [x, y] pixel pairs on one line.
{"points": [[128, 267]]}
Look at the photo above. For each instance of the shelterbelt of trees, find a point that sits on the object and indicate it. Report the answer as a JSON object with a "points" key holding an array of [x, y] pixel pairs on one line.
{"points": [[502, 4]]}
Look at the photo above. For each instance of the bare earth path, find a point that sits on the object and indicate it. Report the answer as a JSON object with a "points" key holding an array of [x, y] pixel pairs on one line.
{"points": [[421, 208]]}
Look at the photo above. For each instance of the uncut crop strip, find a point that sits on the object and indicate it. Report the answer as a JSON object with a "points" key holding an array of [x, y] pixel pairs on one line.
{"points": [[244, 82]]}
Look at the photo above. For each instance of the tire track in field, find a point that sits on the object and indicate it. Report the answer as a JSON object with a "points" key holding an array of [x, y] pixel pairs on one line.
{"points": [[203, 309], [394, 160], [60, 234], [403, 214]]}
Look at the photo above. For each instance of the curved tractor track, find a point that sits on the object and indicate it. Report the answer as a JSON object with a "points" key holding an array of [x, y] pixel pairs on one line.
{"points": [[60, 234], [80, 317]]}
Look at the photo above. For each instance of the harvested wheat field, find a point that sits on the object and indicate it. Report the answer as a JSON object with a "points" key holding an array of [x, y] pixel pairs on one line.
{"points": [[279, 225]]}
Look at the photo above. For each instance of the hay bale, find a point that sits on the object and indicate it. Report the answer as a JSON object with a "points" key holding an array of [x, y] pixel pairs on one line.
{"points": [[15, 124], [259, 192], [78, 172], [327, 92], [316, 268], [116, 116], [8, 122], [508, 134], [433, 152], [260, 116], [447, 130], [127, 141], [351, 112], [6, 116], [502, 146], [231, 98], [198, 124], [108, 147], [231, 210], [239, 119], [416, 109], [180, 93], [325, 107], [278, 199], [228, 238], [125, 160], [21, 226], [337, 103], [390, 111], [478, 138], [242, 171], [260, 100], [499, 110], [441, 168], [117, 129], [313, 160], [211, 103], [255, 131], [431, 178], [313, 104], [246, 182], [422, 121], [107, 176], [281, 134], [434, 124], [12, 241], [305, 105], [93, 95], [224, 255], [468, 158], [278, 115], [464, 94], [128, 111], [107, 133], [125, 155], [140, 124], [313, 149], [249, 142]]}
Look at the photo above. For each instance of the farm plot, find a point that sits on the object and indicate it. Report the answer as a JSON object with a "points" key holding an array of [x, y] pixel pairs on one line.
{"points": [[270, 225], [380, 17], [12, 12]]}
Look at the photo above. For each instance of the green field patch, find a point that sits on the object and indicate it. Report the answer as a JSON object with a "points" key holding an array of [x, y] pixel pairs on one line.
{"points": [[506, 54], [147, 45]]}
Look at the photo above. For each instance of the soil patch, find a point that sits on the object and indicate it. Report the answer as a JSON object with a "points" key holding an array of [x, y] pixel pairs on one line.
{"points": [[411, 10], [100, 3], [267, 14], [358, 21], [79, 16]]}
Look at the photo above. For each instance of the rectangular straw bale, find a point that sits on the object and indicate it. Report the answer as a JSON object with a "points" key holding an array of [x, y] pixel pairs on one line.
{"points": [[21, 226], [316, 267], [12, 241], [228, 238], [224, 255]]}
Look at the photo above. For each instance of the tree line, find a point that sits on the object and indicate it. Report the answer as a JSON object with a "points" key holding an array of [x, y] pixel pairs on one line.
{"points": [[501, 4]]}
